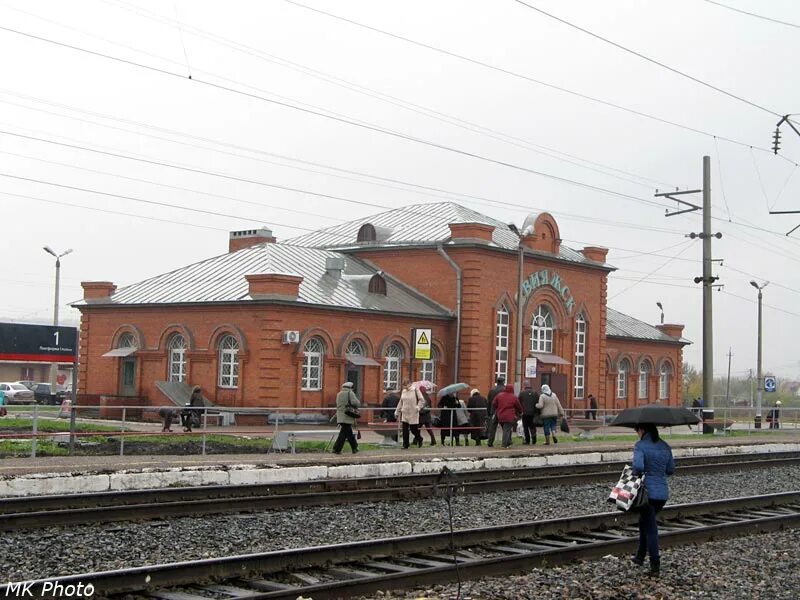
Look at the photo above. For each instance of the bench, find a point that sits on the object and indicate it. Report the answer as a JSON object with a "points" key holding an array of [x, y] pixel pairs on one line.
{"points": [[389, 431], [587, 426], [716, 425], [283, 440]]}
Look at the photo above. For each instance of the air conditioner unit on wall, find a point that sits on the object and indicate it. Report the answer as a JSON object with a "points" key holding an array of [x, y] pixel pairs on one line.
{"points": [[291, 337]]}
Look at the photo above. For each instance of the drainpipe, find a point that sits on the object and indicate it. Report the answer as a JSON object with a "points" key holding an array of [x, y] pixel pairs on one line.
{"points": [[457, 269]]}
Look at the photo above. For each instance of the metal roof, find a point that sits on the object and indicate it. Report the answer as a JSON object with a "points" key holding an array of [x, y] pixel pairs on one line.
{"points": [[622, 325], [221, 279], [420, 224]]}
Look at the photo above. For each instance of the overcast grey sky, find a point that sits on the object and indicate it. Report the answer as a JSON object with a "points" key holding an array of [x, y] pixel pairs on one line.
{"points": [[251, 52]]}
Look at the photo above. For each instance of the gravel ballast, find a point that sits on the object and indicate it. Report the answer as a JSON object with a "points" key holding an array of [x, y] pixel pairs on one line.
{"points": [[76, 549]]}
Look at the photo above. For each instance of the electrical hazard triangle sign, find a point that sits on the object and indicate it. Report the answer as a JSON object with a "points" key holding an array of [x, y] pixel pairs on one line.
{"points": [[422, 344]]}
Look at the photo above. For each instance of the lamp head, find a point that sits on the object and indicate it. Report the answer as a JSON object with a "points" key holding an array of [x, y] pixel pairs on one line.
{"points": [[658, 304], [49, 250], [67, 251], [513, 228], [754, 284]]}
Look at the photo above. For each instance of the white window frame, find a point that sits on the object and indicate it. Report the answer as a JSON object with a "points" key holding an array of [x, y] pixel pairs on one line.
{"points": [[502, 327], [622, 378], [580, 357], [663, 381], [228, 376], [392, 366], [127, 340], [542, 330], [313, 364], [356, 348], [177, 358], [645, 368], [427, 370]]}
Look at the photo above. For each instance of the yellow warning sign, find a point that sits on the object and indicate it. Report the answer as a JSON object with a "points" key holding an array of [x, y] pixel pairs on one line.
{"points": [[422, 344]]}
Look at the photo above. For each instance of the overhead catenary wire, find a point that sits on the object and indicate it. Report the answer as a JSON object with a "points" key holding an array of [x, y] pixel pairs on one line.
{"points": [[752, 14], [648, 59], [661, 266], [427, 111], [522, 76], [365, 126]]}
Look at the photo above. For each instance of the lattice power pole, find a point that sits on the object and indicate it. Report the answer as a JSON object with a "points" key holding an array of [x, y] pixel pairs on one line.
{"points": [[776, 143]]}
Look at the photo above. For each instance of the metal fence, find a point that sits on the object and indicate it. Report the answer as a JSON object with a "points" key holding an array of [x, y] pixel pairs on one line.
{"points": [[111, 419]]}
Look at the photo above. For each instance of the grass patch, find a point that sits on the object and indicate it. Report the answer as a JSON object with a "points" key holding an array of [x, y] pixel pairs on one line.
{"points": [[48, 425], [16, 449]]}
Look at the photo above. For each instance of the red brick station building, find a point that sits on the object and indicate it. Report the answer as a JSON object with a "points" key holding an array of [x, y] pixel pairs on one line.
{"points": [[284, 324]]}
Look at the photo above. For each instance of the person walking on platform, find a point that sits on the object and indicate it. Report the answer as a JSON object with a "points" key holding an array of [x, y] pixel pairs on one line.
{"points": [[528, 399], [551, 410], [477, 415], [652, 457], [425, 418], [462, 420], [407, 411], [189, 416], [167, 414], [491, 429], [345, 400], [507, 409], [447, 418], [774, 416], [591, 412]]}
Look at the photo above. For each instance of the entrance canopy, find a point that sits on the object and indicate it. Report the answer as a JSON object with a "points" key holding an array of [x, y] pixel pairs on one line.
{"points": [[119, 352], [361, 361], [549, 359]]}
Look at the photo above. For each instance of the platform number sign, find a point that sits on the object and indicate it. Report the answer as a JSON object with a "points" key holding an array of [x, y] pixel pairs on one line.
{"points": [[770, 384], [423, 341]]}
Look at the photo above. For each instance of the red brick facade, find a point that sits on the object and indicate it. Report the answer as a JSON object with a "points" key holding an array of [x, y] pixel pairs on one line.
{"points": [[270, 369]]}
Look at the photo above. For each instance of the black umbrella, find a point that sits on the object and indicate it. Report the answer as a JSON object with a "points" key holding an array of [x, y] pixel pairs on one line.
{"points": [[655, 414]]}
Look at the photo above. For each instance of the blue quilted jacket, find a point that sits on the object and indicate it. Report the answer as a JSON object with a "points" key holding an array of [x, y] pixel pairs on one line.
{"points": [[654, 459]]}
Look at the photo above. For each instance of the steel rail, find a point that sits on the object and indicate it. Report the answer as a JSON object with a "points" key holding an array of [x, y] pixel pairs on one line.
{"points": [[219, 499], [363, 567]]}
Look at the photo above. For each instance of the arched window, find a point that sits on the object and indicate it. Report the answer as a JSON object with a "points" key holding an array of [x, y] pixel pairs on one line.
{"points": [[177, 358], [391, 370], [644, 379], [313, 352], [377, 285], [501, 343], [580, 356], [542, 332], [126, 340], [622, 378], [228, 362], [356, 348], [427, 370], [663, 381]]}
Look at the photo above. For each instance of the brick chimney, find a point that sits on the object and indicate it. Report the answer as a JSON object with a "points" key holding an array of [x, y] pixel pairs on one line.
{"points": [[671, 329], [249, 237], [97, 291], [273, 286], [595, 253], [472, 232]]}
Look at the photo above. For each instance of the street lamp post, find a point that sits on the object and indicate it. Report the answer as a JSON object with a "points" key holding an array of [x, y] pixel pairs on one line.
{"points": [[54, 366], [661, 307], [758, 367]]}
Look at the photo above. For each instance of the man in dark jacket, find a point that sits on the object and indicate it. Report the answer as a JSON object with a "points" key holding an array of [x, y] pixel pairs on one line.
{"points": [[591, 412], [390, 402], [528, 399], [507, 410], [491, 430]]}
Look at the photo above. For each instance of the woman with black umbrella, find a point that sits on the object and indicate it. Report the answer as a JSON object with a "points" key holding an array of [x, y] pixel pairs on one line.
{"points": [[652, 457]]}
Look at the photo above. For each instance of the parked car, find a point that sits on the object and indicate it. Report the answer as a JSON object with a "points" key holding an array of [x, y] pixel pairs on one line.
{"points": [[27, 384], [16, 393], [43, 393]]}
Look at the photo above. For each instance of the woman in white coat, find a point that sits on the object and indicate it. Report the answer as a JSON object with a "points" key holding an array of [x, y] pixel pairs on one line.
{"points": [[407, 412]]}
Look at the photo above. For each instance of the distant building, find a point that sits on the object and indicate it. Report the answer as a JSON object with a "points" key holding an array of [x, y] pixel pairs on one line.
{"points": [[285, 324]]}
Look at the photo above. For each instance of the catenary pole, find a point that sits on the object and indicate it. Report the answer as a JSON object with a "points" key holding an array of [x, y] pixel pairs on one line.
{"points": [[708, 331]]}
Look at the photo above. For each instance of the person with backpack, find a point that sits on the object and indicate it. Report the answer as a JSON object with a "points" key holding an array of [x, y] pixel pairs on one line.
{"points": [[551, 409], [528, 399]]}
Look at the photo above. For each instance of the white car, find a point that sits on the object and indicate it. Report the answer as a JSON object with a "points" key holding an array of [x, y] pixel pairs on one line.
{"points": [[16, 393]]}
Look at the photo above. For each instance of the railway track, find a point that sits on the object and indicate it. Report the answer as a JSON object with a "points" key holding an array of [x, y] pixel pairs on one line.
{"points": [[357, 568], [58, 510]]}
